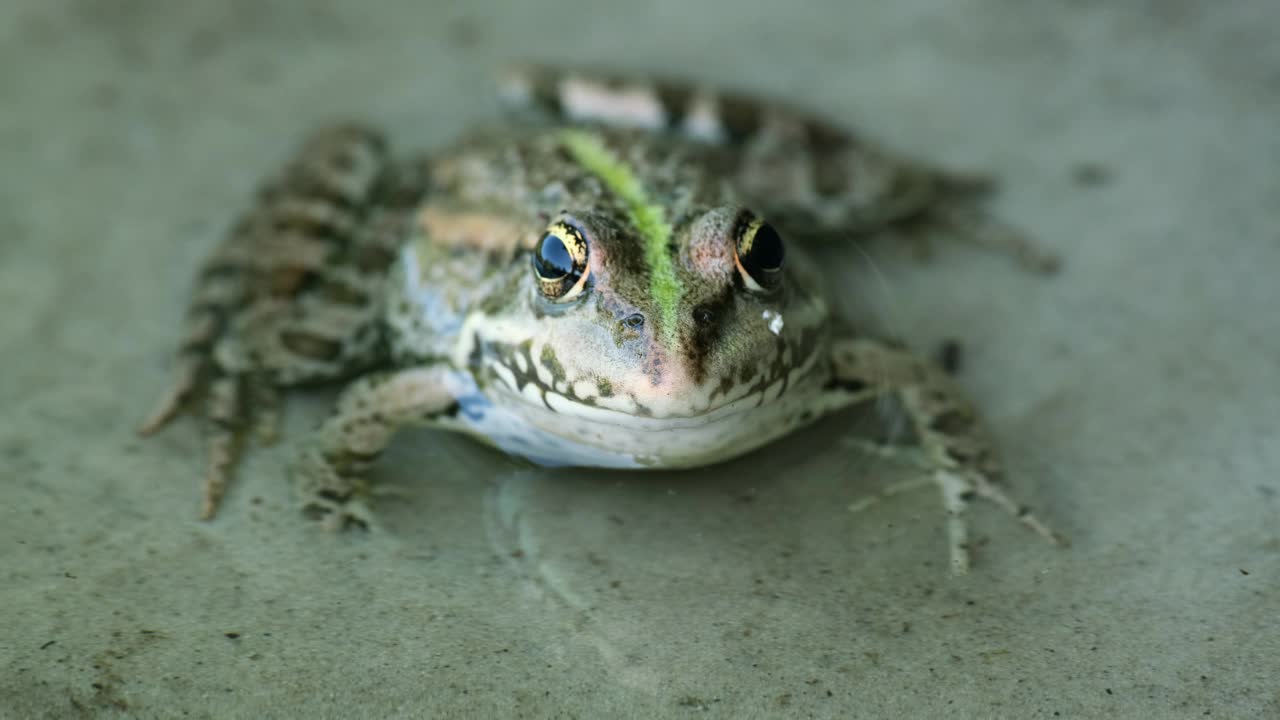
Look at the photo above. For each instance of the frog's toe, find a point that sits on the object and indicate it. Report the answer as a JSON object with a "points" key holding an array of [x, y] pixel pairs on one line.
{"points": [[338, 515], [333, 499], [983, 487], [959, 489]]}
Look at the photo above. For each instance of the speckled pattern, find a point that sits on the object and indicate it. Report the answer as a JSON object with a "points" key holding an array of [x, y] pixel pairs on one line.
{"points": [[1132, 395]]}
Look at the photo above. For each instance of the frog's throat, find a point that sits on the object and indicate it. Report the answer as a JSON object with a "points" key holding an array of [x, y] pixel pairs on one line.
{"points": [[649, 219]]}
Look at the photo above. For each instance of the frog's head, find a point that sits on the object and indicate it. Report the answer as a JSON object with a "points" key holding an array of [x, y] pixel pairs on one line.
{"points": [[653, 299], [679, 320]]}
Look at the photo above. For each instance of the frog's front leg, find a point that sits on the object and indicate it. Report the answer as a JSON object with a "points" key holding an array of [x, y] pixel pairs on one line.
{"points": [[954, 447], [329, 474]]}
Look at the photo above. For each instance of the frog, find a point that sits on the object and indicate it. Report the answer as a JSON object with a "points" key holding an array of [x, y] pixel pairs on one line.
{"points": [[614, 275]]}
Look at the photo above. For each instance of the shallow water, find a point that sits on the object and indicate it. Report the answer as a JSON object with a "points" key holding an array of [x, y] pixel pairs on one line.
{"points": [[1133, 394]]}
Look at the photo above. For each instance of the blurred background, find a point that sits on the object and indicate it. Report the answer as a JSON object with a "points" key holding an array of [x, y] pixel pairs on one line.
{"points": [[1134, 394]]}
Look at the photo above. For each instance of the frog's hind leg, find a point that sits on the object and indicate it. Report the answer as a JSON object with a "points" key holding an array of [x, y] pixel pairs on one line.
{"points": [[822, 180], [954, 448], [291, 294], [800, 170]]}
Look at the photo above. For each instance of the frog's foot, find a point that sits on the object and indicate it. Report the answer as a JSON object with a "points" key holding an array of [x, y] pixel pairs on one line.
{"points": [[933, 200], [972, 224], [330, 473], [953, 449], [958, 491], [225, 414], [233, 403], [335, 499]]}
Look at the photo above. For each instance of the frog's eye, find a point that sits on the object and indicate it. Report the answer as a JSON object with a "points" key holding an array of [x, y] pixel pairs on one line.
{"points": [[759, 256], [560, 262]]}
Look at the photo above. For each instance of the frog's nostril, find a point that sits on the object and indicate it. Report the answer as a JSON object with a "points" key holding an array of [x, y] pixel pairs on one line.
{"points": [[704, 315], [635, 321]]}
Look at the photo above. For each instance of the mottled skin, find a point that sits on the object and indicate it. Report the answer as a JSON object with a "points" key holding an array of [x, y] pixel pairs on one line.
{"points": [[720, 336], [656, 325]]}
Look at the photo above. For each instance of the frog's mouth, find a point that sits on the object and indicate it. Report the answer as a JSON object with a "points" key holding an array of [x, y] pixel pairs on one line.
{"points": [[636, 401], [539, 422]]}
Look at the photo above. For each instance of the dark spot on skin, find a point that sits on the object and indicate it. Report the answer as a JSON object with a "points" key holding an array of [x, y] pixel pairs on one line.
{"points": [[330, 227], [476, 358], [196, 346], [552, 363], [221, 269], [334, 496], [675, 100], [287, 281], [507, 355], [953, 422], [740, 118], [546, 95], [849, 386], [641, 409], [344, 160], [604, 387], [400, 187], [312, 346], [708, 328], [344, 294], [224, 423], [779, 369], [372, 259], [725, 386]]}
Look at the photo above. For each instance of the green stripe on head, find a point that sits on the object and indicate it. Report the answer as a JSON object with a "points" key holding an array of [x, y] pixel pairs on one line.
{"points": [[649, 218]]}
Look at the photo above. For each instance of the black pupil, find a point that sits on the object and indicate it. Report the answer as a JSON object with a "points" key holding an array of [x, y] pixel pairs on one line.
{"points": [[552, 259], [766, 248]]}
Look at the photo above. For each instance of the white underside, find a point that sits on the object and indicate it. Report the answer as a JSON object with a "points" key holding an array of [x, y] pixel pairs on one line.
{"points": [[611, 439]]}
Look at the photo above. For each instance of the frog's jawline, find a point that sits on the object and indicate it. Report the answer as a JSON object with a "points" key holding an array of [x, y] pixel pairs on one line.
{"points": [[578, 442]]}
